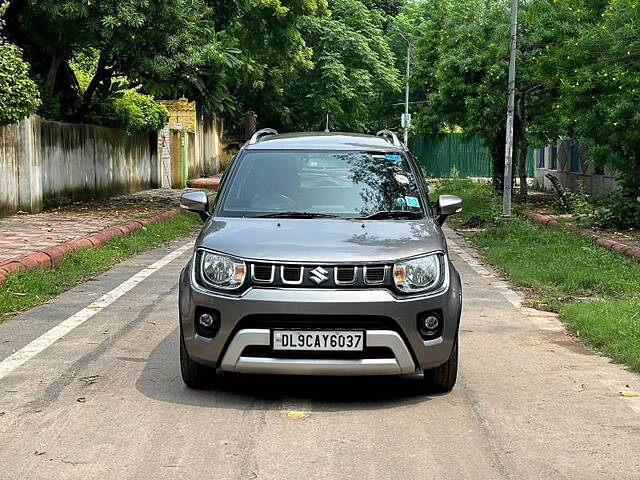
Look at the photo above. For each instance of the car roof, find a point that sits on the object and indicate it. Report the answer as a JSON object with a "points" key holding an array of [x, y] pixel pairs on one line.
{"points": [[323, 141]]}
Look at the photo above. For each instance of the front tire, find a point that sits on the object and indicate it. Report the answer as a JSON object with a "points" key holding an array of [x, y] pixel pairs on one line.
{"points": [[194, 374], [443, 378]]}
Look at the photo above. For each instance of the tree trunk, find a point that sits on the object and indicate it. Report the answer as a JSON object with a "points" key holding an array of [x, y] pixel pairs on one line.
{"points": [[100, 76], [496, 150], [52, 74], [521, 133], [522, 170]]}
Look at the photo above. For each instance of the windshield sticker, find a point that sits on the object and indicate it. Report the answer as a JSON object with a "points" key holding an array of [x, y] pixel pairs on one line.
{"points": [[412, 202], [401, 179], [395, 158], [400, 203]]}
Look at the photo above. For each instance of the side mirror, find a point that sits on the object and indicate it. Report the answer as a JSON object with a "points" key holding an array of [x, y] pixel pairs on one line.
{"points": [[447, 205], [196, 202]]}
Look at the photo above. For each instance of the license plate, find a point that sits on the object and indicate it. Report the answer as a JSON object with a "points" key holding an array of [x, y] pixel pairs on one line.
{"points": [[351, 341]]}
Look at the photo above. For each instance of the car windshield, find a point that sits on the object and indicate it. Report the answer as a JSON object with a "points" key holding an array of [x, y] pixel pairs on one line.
{"points": [[309, 184]]}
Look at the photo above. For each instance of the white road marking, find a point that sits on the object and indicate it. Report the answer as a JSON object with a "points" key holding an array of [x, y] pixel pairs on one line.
{"points": [[45, 340]]}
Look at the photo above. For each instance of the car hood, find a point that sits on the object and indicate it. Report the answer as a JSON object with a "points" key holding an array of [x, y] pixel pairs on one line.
{"points": [[321, 240]]}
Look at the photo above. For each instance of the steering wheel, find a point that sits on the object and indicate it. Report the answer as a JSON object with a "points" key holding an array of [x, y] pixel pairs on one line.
{"points": [[273, 201]]}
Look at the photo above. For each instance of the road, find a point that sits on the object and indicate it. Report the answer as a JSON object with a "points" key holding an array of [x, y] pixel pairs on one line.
{"points": [[95, 393]]}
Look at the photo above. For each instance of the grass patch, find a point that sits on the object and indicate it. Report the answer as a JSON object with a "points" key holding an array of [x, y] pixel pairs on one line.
{"points": [[610, 326], [27, 289], [478, 199], [556, 263], [596, 291]]}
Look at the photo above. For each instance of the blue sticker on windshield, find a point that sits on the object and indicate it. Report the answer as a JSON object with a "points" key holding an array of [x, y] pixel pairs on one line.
{"points": [[395, 158], [412, 202]]}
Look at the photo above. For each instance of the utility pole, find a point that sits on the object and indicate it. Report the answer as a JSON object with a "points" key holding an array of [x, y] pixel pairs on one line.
{"points": [[406, 118], [508, 155]]}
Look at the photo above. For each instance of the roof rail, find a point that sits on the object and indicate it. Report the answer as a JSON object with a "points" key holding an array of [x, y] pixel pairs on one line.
{"points": [[255, 138], [390, 137]]}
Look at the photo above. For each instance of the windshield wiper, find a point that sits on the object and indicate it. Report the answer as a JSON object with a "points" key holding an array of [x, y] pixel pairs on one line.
{"points": [[297, 215], [394, 214]]}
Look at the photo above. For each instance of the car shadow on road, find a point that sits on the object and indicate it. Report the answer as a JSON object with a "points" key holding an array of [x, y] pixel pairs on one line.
{"points": [[160, 380]]}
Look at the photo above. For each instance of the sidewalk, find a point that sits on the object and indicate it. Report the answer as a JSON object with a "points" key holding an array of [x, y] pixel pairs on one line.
{"points": [[22, 234]]}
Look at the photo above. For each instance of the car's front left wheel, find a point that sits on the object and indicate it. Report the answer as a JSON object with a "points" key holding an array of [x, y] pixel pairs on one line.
{"points": [[194, 374], [443, 378]]}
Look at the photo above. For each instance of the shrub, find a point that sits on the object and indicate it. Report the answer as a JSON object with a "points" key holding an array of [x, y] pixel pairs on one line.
{"points": [[19, 96], [131, 111], [618, 210]]}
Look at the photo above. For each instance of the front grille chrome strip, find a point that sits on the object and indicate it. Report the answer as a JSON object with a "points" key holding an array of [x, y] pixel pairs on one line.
{"points": [[337, 279], [375, 282], [291, 282], [258, 280]]}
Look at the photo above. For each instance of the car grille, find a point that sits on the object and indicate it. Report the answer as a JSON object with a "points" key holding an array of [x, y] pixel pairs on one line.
{"points": [[319, 276]]}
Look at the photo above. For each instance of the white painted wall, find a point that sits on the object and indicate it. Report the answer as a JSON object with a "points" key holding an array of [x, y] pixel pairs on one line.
{"points": [[42, 159]]}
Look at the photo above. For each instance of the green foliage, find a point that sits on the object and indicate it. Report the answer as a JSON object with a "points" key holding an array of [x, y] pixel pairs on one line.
{"points": [[132, 112], [333, 59], [618, 210], [352, 66], [599, 86], [582, 206], [18, 93]]}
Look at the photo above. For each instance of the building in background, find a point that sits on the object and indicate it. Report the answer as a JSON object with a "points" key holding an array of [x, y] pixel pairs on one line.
{"points": [[567, 162]]}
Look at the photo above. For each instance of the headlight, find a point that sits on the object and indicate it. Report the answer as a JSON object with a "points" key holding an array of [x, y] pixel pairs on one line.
{"points": [[222, 272], [418, 274]]}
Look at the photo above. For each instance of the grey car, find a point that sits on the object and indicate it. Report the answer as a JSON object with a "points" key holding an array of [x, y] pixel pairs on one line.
{"points": [[321, 256]]}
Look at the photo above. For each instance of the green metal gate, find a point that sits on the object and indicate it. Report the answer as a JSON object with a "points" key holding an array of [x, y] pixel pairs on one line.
{"points": [[441, 157]]}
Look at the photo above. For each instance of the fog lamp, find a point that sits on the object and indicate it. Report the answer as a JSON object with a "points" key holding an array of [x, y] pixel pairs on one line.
{"points": [[206, 320], [431, 322]]}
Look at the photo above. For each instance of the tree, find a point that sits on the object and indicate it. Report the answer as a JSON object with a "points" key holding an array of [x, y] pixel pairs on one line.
{"points": [[347, 67], [167, 47], [18, 93], [600, 88], [462, 55]]}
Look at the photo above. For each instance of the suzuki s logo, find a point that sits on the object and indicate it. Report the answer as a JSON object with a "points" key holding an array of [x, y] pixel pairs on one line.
{"points": [[319, 275]]}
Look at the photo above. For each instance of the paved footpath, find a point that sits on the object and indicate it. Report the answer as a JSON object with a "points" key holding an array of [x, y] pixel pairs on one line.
{"points": [[25, 233], [98, 395]]}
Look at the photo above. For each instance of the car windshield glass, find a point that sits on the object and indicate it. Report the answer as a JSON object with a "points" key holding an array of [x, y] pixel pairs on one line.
{"points": [[342, 184]]}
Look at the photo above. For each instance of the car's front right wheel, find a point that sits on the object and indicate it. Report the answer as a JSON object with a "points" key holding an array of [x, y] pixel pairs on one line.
{"points": [[443, 378], [194, 374]]}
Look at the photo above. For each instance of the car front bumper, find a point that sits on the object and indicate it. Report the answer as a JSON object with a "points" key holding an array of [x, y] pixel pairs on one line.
{"points": [[410, 351]]}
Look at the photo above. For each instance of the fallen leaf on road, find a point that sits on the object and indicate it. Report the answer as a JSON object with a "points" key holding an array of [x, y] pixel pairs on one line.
{"points": [[296, 415], [629, 393]]}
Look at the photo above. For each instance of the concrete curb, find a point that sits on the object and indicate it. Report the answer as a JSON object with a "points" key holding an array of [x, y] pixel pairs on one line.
{"points": [[210, 183], [618, 247], [52, 256]]}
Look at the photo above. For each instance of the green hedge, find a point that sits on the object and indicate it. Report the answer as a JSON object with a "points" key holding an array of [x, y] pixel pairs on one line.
{"points": [[130, 111], [19, 96]]}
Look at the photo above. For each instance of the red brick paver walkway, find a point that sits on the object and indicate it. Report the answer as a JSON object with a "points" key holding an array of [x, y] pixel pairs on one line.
{"points": [[25, 233]]}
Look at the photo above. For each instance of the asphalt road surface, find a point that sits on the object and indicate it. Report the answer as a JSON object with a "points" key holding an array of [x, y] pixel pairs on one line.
{"points": [[90, 389]]}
